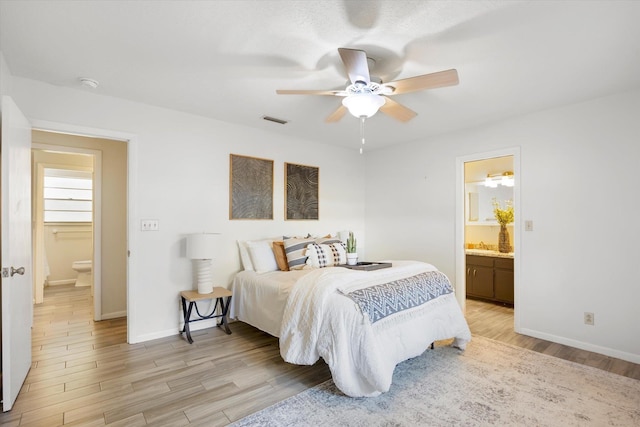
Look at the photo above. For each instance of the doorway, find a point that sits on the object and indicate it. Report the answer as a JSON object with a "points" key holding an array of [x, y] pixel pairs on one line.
{"points": [[487, 261], [64, 228], [109, 251]]}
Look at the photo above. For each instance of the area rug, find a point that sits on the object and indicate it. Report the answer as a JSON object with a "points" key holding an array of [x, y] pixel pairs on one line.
{"points": [[491, 383]]}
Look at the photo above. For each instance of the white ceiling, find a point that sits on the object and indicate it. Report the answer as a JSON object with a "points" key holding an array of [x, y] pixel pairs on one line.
{"points": [[225, 59]]}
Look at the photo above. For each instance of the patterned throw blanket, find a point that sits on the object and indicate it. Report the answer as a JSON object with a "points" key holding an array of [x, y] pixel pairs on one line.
{"points": [[380, 301]]}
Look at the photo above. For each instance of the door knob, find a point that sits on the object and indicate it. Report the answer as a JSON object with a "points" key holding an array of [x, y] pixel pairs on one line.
{"points": [[15, 271]]}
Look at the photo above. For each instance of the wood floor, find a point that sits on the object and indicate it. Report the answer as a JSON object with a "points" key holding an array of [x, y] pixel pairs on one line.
{"points": [[496, 322], [84, 374]]}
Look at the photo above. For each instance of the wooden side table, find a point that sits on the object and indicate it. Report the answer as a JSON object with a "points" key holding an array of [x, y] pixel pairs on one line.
{"points": [[219, 295]]}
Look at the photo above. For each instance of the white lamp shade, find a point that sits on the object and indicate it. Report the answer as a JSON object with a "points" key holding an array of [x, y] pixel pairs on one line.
{"points": [[202, 245], [363, 104]]}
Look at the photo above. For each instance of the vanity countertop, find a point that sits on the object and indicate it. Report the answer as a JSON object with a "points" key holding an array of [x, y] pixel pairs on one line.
{"points": [[487, 252]]}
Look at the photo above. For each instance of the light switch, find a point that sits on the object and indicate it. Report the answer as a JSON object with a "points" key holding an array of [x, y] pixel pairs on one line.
{"points": [[149, 225], [528, 225]]}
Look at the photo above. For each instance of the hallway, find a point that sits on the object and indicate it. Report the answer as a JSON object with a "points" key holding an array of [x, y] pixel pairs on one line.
{"points": [[64, 324], [64, 343]]}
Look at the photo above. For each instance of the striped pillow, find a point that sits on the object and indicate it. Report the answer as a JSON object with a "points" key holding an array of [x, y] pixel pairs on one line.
{"points": [[322, 255], [296, 250]]}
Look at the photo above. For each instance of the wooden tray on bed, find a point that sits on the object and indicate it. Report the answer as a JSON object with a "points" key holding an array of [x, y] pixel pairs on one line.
{"points": [[367, 266]]}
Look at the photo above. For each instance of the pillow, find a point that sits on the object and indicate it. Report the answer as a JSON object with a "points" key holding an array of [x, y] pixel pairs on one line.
{"points": [[297, 237], [296, 250], [245, 258], [281, 255], [262, 257], [326, 255], [326, 240]]}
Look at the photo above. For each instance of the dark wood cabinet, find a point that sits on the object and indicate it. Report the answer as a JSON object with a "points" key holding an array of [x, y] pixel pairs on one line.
{"points": [[490, 278], [503, 280], [480, 276]]}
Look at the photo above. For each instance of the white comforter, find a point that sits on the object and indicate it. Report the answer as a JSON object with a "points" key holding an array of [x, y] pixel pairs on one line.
{"points": [[321, 322]]}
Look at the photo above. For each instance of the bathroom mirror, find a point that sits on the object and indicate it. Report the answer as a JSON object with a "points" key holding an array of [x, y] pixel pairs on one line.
{"points": [[479, 207]]}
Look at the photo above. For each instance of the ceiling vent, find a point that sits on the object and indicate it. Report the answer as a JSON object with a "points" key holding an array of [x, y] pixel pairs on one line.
{"points": [[87, 82], [273, 119]]}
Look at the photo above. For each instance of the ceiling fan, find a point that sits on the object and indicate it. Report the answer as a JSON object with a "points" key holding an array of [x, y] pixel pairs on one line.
{"points": [[364, 97]]}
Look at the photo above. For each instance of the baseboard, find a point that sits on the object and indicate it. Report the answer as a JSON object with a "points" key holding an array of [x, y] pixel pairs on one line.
{"points": [[196, 326], [114, 315], [61, 282], [629, 357]]}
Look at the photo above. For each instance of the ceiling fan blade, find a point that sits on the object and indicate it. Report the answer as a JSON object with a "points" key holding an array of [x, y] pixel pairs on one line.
{"points": [[426, 81], [337, 114], [311, 92], [355, 61], [397, 110]]}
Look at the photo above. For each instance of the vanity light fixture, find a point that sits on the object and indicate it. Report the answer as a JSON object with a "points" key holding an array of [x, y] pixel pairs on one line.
{"points": [[490, 181], [505, 178]]}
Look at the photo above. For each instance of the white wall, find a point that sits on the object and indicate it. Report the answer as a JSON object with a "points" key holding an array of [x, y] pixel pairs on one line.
{"points": [[180, 176], [5, 77], [578, 185]]}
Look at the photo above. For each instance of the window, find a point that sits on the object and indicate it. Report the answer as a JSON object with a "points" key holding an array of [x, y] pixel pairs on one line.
{"points": [[68, 196]]}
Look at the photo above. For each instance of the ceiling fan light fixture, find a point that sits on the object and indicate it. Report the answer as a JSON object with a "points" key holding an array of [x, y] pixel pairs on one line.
{"points": [[363, 104]]}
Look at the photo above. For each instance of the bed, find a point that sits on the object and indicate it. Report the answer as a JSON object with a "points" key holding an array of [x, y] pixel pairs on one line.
{"points": [[357, 321]]}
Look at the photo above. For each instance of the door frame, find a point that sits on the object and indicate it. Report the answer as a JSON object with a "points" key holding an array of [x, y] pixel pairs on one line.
{"points": [[461, 285], [132, 141]]}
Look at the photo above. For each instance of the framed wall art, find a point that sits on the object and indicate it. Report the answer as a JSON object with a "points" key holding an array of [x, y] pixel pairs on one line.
{"points": [[250, 188], [301, 191]]}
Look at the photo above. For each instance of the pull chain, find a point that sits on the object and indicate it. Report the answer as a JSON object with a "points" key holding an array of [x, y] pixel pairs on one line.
{"points": [[362, 133]]}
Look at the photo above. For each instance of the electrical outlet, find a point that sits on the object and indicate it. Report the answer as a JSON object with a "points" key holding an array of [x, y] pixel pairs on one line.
{"points": [[588, 318], [149, 225], [528, 225]]}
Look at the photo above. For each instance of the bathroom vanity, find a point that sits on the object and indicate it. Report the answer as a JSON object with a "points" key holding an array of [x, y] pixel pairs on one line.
{"points": [[489, 275]]}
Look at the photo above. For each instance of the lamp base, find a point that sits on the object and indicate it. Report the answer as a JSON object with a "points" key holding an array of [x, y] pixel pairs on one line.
{"points": [[203, 276]]}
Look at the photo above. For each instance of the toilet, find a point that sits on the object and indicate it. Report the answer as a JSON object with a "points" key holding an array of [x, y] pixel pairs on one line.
{"points": [[85, 277]]}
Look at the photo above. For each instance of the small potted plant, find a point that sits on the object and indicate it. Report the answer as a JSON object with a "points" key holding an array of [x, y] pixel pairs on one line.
{"points": [[352, 255]]}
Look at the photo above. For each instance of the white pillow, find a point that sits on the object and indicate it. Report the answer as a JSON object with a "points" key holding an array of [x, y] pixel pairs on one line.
{"points": [[262, 257], [326, 255], [245, 258]]}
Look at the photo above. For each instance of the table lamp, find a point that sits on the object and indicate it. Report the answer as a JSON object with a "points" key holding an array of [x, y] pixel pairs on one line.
{"points": [[201, 248]]}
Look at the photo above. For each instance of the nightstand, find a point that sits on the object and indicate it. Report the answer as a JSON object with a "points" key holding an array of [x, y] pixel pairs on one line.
{"points": [[218, 295]]}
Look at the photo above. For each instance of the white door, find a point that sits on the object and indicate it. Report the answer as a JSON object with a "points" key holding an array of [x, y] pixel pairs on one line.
{"points": [[15, 255]]}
